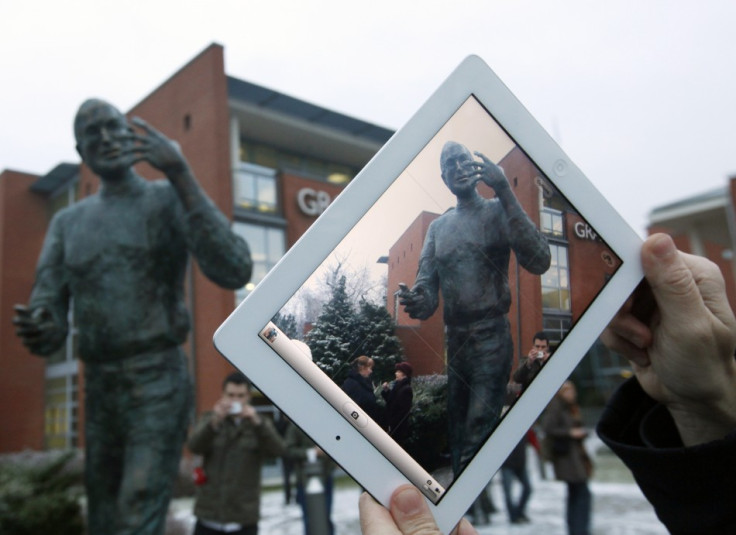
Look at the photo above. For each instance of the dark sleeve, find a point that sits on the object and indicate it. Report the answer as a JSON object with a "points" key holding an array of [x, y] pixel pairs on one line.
{"points": [[692, 489], [526, 240], [270, 442], [202, 436], [521, 375], [350, 387], [222, 255], [404, 399], [553, 421], [427, 281]]}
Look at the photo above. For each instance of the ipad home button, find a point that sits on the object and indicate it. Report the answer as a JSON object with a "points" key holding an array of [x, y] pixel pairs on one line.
{"points": [[354, 414]]}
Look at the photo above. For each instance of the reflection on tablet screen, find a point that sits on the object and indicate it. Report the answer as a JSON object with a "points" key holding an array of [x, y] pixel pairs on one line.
{"points": [[469, 253]]}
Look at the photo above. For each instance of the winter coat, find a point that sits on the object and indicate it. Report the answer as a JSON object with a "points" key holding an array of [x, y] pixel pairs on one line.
{"points": [[569, 458], [398, 404], [360, 390], [232, 459]]}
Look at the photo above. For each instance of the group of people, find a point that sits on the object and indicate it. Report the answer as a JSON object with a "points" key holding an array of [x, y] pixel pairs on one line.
{"points": [[398, 396]]}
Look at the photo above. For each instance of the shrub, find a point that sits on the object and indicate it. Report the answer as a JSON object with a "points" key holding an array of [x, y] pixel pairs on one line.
{"points": [[427, 441], [40, 497]]}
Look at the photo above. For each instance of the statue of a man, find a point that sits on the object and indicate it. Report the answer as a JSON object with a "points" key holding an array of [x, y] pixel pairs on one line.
{"points": [[120, 257], [466, 255]]}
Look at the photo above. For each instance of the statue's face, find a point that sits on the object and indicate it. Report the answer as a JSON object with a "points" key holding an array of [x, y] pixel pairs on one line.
{"points": [[458, 170], [104, 140]]}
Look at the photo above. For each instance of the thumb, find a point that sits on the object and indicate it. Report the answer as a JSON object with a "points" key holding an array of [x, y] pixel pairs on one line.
{"points": [[411, 513], [670, 278]]}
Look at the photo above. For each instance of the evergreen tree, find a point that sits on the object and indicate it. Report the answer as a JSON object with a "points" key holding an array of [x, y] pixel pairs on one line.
{"points": [[375, 337], [287, 324], [332, 337]]}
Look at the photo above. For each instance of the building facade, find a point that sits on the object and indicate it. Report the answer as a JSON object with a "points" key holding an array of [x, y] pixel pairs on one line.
{"points": [[270, 162], [704, 225]]}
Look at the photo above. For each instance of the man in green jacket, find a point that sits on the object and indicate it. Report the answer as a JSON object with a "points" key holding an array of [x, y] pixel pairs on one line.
{"points": [[234, 440]]}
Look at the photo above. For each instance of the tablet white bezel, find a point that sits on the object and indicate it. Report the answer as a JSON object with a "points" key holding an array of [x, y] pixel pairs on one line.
{"points": [[237, 339]]}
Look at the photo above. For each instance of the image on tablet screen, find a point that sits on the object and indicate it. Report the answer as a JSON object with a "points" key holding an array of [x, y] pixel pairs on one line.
{"points": [[436, 295]]}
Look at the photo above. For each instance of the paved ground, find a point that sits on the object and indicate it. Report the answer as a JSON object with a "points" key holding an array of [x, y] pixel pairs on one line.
{"points": [[619, 508]]}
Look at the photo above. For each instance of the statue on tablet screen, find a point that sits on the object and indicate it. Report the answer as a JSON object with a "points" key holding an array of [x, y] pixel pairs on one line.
{"points": [[466, 255]]}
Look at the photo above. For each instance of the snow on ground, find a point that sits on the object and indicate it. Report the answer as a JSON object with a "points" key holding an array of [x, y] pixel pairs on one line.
{"points": [[619, 508]]}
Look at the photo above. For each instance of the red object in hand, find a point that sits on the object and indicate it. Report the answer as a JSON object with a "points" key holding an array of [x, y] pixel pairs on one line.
{"points": [[199, 477]]}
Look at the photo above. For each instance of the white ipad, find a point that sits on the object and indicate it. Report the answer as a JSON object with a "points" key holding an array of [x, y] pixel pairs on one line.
{"points": [[469, 231]]}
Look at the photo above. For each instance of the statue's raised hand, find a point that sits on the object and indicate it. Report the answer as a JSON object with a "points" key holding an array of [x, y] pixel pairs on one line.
{"points": [[155, 148], [490, 173]]}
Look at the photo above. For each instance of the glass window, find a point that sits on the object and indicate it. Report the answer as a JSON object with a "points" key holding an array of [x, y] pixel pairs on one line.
{"points": [[61, 407], [556, 327], [556, 281], [552, 222], [263, 155], [267, 246], [255, 189]]}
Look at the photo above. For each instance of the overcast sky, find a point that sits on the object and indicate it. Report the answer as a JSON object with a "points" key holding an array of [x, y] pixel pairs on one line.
{"points": [[639, 93]]}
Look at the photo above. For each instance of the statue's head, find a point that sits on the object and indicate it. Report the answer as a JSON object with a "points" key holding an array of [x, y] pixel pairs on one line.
{"points": [[455, 165], [104, 138]]}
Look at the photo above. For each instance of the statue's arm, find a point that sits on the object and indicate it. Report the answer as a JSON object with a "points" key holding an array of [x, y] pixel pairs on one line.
{"points": [[223, 256], [42, 325], [422, 300], [528, 243]]}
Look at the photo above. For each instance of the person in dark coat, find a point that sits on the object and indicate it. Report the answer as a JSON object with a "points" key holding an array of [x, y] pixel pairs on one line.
{"points": [[563, 427], [398, 398], [360, 389]]}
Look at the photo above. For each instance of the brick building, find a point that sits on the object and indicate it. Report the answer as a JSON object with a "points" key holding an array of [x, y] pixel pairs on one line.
{"points": [[270, 162], [704, 225]]}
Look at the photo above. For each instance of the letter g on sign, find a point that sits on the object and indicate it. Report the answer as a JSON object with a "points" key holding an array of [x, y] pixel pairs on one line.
{"points": [[312, 202]]}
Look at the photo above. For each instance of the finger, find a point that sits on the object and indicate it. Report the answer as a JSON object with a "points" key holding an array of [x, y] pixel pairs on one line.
{"points": [[625, 347], [374, 518], [22, 309], [482, 157], [627, 324], [464, 528], [671, 280], [709, 281], [411, 512], [140, 123]]}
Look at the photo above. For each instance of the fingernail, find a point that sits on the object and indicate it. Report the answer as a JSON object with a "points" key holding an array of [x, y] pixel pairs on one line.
{"points": [[662, 247], [408, 501]]}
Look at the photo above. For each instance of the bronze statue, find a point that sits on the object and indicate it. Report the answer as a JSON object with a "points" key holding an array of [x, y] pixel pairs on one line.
{"points": [[466, 255], [119, 257]]}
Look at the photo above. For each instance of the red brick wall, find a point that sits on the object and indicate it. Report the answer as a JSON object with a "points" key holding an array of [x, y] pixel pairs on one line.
{"points": [[23, 222], [590, 262], [299, 222], [423, 341]]}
